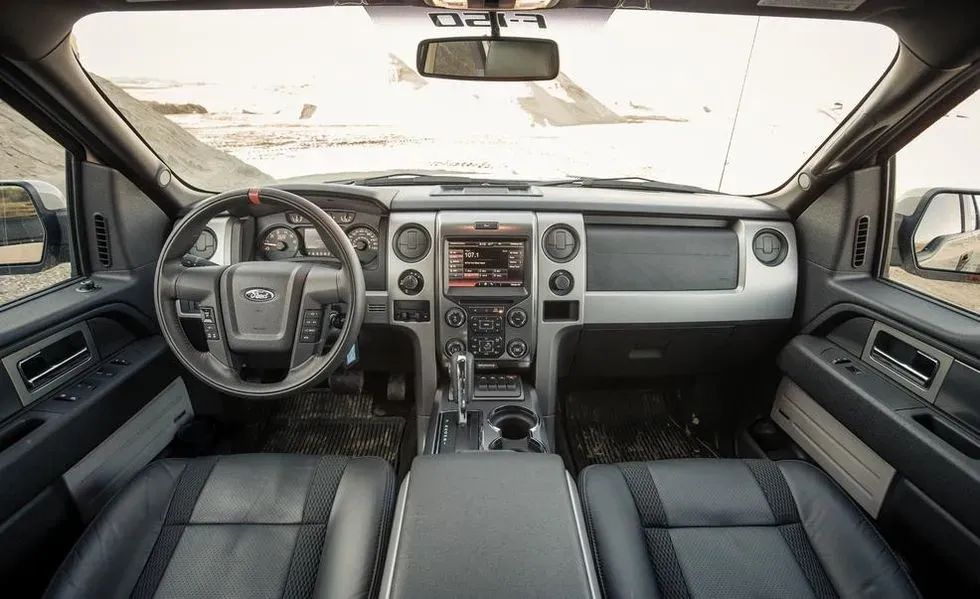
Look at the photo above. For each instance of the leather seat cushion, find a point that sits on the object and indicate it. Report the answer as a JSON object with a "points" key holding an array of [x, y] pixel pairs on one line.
{"points": [[238, 526], [732, 528]]}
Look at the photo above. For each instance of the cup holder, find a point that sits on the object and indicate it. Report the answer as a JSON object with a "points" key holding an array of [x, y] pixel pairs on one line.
{"points": [[514, 423], [526, 445]]}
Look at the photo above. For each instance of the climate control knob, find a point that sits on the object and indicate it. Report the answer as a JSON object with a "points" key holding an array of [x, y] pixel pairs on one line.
{"points": [[455, 346], [455, 317], [517, 318], [561, 282], [517, 349], [411, 282]]}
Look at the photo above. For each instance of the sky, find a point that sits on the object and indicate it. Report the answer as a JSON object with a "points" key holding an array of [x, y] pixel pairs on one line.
{"points": [[803, 77]]}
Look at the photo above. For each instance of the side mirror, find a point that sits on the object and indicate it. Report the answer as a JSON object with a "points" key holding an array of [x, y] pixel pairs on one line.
{"points": [[488, 59], [33, 227], [938, 232]]}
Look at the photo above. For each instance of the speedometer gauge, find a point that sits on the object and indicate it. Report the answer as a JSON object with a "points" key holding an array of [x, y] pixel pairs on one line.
{"points": [[365, 242], [279, 243]]}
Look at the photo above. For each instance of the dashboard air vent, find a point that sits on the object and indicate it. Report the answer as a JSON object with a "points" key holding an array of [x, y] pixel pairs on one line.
{"points": [[561, 243], [412, 243], [102, 245], [377, 308], [860, 241]]}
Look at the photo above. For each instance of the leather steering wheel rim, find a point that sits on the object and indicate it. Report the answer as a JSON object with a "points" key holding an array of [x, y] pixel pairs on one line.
{"points": [[313, 285]]}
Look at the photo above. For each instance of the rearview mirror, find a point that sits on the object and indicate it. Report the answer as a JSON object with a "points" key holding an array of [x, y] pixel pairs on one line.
{"points": [[488, 59], [939, 234], [33, 227]]}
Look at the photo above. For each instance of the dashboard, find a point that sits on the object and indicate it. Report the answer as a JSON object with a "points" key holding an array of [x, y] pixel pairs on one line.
{"points": [[547, 282]]}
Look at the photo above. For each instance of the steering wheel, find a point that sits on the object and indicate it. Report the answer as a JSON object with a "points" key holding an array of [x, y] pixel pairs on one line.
{"points": [[259, 314]]}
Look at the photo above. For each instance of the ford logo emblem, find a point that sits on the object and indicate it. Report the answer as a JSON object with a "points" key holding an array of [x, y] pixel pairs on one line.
{"points": [[258, 294]]}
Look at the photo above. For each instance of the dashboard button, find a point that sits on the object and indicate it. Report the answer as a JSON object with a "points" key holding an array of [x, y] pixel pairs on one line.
{"points": [[517, 318], [455, 346], [517, 348], [411, 282], [455, 317], [561, 282]]}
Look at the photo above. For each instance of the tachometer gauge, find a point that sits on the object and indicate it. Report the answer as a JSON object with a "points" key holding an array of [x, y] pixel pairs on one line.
{"points": [[365, 242], [279, 243]]}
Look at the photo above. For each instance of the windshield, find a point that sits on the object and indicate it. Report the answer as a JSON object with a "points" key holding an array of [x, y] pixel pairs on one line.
{"points": [[729, 103]]}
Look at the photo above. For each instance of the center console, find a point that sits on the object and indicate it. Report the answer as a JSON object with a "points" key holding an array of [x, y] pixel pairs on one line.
{"points": [[484, 525], [487, 290]]}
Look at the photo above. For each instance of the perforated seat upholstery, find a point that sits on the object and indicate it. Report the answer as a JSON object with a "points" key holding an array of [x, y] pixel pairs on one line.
{"points": [[243, 526], [731, 529]]}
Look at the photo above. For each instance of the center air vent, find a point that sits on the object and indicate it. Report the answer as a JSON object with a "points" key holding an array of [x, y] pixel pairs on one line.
{"points": [[412, 243], [860, 241], [560, 243], [102, 246]]}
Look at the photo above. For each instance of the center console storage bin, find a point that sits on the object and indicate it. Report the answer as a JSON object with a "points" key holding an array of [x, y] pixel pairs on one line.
{"points": [[488, 525]]}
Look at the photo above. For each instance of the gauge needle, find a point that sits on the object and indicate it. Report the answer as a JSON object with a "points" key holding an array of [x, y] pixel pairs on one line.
{"points": [[275, 246]]}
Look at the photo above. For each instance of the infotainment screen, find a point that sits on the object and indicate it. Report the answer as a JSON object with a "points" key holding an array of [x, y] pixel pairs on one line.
{"points": [[486, 263]]}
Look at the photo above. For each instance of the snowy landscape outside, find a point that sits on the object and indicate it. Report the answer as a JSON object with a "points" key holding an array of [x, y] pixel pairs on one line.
{"points": [[325, 92]]}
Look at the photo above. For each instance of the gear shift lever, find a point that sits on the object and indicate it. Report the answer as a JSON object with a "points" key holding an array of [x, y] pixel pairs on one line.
{"points": [[461, 383]]}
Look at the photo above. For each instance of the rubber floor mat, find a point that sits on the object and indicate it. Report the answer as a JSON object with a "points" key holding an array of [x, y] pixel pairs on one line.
{"points": [[325, 423], [606, 427]]}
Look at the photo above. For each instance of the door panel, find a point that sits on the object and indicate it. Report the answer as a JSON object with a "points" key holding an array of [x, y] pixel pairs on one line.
{"points": [[43, 441], [935, 454]]}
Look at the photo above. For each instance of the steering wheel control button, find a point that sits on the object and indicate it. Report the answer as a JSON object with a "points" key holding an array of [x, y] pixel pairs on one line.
{"points": [[560, 243], [561, 282], [517, 349], [770, 247], [455, 317], [455, 346], [411, 243], [311, 326], [411, 282], [210, 324], [517, 318]]}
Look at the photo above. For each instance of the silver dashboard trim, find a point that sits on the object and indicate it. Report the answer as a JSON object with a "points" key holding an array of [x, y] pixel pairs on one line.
{"points": [[424, 334], [763, 292], [551, 334]]}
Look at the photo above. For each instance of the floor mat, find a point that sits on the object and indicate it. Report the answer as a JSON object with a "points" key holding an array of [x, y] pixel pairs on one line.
{"points": [[605, 427], [322, 423]]}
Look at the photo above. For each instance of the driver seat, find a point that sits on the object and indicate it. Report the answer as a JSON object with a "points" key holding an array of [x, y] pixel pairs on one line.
{"points": [[261, 525]]}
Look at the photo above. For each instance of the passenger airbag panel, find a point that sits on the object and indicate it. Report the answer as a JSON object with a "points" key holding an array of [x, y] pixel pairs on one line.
{"points": [[658, 258]]}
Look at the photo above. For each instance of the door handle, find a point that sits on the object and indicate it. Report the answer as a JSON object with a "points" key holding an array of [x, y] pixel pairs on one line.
{"points": [[921, 369]]}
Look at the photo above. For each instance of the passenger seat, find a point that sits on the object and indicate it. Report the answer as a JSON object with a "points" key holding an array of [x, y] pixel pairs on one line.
{"points": [[732, 528]]}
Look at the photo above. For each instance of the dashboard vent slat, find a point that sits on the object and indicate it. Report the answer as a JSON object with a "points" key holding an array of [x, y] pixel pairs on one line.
{"points": [[102, 244], [378, 308], [860, 241]]}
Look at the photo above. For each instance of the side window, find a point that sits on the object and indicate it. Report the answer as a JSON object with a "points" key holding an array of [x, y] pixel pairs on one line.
{"points": [[935, 246], [35, 236]]}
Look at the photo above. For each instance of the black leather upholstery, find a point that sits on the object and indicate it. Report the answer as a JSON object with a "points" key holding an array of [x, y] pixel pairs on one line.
{"points": [[732, 528], [238, 526]]}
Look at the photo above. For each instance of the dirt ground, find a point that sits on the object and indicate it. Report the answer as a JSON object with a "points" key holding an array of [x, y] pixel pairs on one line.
{"points": [[17, 286], [964, 295]]}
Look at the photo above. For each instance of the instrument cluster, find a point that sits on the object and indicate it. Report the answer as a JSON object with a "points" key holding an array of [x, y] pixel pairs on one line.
{"points": [[300, 239]]}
